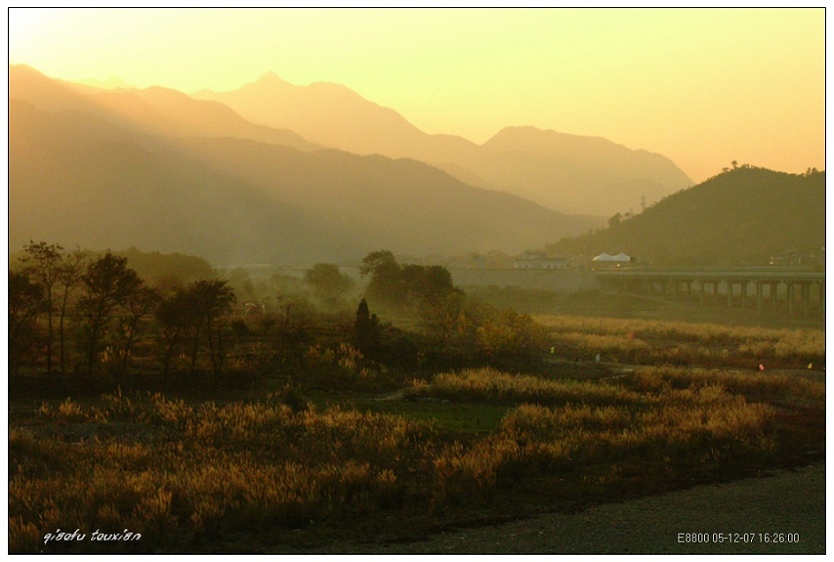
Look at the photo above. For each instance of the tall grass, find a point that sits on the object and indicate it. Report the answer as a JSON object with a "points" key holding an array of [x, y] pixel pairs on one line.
{"points": [[764, 386], [697, 429], [186, 476], [654, 341], [497, 387], [208, 469]]}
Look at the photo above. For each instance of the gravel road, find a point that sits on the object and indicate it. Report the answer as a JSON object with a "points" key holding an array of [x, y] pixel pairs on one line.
{"points": [[780, 512]]}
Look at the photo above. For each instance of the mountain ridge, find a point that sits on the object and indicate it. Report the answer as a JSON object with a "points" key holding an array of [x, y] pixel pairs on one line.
{"points": [[83, 176], [348, 121], [154, 110]]}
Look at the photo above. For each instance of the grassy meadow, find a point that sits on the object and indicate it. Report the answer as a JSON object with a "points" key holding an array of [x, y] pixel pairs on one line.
{"points": [[293, 465]]}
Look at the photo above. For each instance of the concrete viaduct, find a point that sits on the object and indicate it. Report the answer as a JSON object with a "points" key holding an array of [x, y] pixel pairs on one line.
{"points": [[794, 292]]}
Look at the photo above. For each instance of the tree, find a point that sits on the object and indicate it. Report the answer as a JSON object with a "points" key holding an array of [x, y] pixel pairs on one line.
{"points": [[213, 300], [411, 288], [426, 284], [108, 283], [175, 318], [44, 263], [138, 304], [328, 283], [441, 315], [385, 285], [366, 330], [375, 261], [69, 276], [26, 298]]}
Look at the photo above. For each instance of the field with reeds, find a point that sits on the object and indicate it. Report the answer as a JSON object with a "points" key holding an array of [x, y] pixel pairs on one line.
{"points": [[686, 344], [298, 467]]}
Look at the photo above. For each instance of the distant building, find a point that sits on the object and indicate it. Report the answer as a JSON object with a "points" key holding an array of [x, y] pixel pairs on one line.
{"points": [[539, 260]]}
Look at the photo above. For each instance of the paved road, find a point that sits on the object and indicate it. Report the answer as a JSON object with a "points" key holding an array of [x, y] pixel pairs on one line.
{"points": [[732, 518]]}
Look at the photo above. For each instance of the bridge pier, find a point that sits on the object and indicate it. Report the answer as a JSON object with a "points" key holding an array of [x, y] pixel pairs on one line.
{"points": [[821, 285], [759, 298], [806, 298], [729, 285]]}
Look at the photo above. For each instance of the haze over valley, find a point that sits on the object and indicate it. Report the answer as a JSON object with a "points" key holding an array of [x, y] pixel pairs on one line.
{"points": [[570, 173], [161, 170]]}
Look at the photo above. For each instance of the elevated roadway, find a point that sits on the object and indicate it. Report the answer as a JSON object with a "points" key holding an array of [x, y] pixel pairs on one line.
{"points": [[794, 292]]}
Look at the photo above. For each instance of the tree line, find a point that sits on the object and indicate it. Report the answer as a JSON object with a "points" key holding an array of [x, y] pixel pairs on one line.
{"points": [[73, 312], [93, 317]]}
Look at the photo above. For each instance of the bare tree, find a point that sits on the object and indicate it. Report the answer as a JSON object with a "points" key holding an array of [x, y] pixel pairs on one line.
{"points": [[43, 265], [137, 305], [213, 300], [108, 283], [69, 275], [25, 301]]}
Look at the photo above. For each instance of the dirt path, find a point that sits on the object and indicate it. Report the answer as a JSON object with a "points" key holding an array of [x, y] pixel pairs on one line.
{"points": [[755, 516]]}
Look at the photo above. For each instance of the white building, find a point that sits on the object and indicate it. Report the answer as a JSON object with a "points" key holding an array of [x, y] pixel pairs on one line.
{"points": [[539, 260]]}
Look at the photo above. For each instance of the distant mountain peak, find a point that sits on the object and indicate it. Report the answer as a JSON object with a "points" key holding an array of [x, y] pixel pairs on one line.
{"points": [[271, 79], [572, 173], [531, 133]]}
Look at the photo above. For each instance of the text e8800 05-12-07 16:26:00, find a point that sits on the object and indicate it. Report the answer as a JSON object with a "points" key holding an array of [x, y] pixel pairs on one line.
{"points": [[738, 538]]}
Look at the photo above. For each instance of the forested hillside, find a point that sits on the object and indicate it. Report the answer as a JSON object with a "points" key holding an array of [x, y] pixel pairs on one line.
{"points": [[744, 216]]}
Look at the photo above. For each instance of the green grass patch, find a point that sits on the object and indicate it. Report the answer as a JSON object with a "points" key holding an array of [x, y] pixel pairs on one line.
{"points": [[470, 419]]}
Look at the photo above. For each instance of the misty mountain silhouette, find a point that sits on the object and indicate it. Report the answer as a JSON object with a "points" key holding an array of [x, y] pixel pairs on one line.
{"points": [[157, 170], [565, 172], [159, 111]]}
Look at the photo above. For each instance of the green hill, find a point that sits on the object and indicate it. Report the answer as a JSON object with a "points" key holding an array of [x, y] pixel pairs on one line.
{"points": [[744, 216]]}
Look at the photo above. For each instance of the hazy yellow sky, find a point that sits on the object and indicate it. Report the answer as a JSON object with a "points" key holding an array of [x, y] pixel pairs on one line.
{"points": [[701, 86]]}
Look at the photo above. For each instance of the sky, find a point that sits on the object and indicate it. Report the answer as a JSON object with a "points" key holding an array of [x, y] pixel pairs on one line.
{"points": [[703, 87]]}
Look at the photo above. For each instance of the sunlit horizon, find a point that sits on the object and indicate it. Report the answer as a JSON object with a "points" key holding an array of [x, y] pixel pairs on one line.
{"points": [[703, 87]]}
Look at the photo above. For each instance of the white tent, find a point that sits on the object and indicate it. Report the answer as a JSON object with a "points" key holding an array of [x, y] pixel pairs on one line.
{"points": [[619, 258]]}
